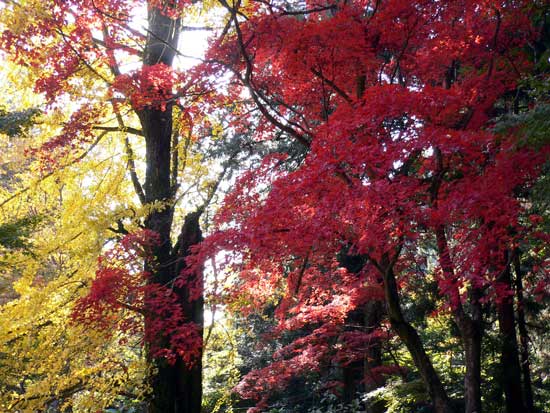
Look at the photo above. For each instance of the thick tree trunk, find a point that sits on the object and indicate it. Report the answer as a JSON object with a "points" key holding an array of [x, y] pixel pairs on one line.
{"points": [[157, 128], [176, 388], [510, 375], [189, 383], [524, 338], [410, 337]]}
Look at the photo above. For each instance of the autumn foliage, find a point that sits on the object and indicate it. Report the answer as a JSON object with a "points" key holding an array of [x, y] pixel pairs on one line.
{"points": [[122, 299], [386, 173], [394, 102]]}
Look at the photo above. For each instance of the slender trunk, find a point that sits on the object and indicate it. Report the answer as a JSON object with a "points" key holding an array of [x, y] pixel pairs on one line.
{"points": [[524, 338], [470, 327], [471, 333], [353, 373], [369, 318], [510, 375], [374, 313], [409, 336]]}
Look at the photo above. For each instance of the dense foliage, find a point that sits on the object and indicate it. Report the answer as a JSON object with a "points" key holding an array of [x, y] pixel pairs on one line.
{"points": [[383, 244]]}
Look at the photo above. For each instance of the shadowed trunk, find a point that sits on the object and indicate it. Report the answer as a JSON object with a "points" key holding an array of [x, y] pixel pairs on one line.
{"points": [[356, 375], [524, 337], [471, 333], [470, 327], [353, 373], [510, 374], [410, 337], [189, 378], [373, 315], [176, 388]]}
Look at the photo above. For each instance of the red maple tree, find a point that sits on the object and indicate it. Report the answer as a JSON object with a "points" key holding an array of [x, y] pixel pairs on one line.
{"points": [[393, 102]]}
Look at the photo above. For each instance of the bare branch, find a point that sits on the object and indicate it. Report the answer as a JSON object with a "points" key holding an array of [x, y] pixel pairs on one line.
{"points": [[132, 169], [133, 131]]}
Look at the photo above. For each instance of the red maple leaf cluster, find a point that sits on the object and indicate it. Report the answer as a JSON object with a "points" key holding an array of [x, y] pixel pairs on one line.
{"points": [[123, 298]]}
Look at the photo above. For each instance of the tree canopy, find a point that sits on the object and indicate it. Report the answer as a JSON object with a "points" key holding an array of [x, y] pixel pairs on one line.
{"points": [[360, 188]]}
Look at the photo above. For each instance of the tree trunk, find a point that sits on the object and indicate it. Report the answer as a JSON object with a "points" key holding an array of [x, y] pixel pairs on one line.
{"points": [[374, 313], [470, 327], [356, 376], [409, 336], [524, 338], [471, 333], [366, 319], [189, 385], [510, 375], [353, 373], [176, 388]]}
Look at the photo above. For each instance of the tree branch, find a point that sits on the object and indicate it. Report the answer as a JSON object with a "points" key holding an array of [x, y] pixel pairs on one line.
{"points": [[132, 169], [131, 130], [329, 82]]}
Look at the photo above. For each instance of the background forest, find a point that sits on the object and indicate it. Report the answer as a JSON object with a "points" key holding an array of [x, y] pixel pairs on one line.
{"points": [[275, 206]]}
